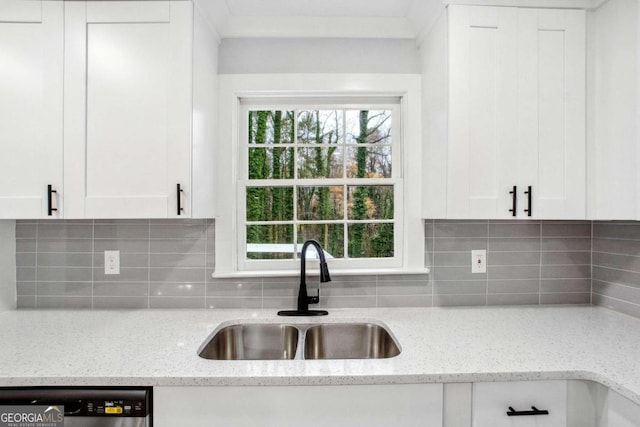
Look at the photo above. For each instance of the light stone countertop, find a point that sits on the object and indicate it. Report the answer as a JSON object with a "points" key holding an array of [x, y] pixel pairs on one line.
{"points": [[158, 347]]}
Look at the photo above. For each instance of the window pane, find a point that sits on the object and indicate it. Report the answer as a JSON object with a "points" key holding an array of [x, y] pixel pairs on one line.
{"points": [[369, 162], [320, 162], [271, 163], [320, 127], [368, 127], [370, 240], [269, 203], [270, 242], [370, 202], [316, 145], [330, 237], [271, 127], [320, 203]]}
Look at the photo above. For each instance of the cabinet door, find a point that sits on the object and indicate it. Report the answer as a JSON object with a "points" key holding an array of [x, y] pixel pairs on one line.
{"points": [[614, 190], [31, 85], [491, 402], [483, 71], [621, 411], [313, 406], [551, 112], [128, 108]]}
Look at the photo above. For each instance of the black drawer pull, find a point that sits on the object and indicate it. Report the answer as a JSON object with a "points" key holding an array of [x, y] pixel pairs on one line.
{"points": [[179, 196], [50, 208], [514, 201], [529, 194], [535, 411]]}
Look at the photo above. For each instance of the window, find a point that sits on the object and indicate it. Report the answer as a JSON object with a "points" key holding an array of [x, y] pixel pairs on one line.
{"points": [[329, 172], [305, 156]]}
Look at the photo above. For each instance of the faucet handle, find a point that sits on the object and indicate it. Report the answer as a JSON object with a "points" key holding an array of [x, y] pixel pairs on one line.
{"points": [[314, 299]]}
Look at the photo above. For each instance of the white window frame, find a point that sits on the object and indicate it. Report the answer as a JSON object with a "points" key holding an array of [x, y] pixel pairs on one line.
{"points": [[359, 89]]}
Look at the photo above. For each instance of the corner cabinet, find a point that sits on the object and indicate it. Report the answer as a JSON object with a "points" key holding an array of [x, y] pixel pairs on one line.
{"points": [[31, 87], [550, 403], [509, 120], [128, 109], [620, 412]]}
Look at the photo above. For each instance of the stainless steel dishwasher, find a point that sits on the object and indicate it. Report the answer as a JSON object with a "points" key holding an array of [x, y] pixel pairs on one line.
{"points": [[76, 406]]}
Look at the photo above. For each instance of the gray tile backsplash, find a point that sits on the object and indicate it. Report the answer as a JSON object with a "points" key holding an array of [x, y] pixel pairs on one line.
{"points": [[168, 264], [162, 263], [528, 262], [616, 266]]}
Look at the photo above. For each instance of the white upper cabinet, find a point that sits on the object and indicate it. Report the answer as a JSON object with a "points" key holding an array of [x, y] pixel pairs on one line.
{"points": [[514, 103], [128, 109], [483, 63], [552, 111], [31, 86], [613, 106]]}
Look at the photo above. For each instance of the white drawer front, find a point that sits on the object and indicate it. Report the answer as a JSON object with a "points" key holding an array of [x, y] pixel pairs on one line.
{"points": [[491, 401]]}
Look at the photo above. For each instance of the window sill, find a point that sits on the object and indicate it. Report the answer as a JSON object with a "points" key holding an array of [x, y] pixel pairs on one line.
{"points": [[314, 272]]}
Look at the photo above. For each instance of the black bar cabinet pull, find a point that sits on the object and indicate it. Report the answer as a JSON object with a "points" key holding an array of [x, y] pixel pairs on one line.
{"points": [[50, 208], [514, 201], [179, 195], [529, 194], [535, 411]]}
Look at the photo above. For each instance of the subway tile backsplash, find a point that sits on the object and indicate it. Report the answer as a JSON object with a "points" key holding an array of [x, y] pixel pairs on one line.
{"points": [[528, 262], [163, 263], [168, 264], [616, 266]]}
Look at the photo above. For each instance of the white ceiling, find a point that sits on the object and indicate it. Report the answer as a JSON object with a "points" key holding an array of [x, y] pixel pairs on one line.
{"points": [[353, 8], [320, 18], [393, 19]]}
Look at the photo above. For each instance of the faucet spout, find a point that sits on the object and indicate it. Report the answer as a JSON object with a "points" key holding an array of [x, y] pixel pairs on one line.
{"points": [[303, 297]]}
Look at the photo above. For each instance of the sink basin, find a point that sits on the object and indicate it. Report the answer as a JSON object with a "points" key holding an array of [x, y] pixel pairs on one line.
{"points": [[349, 341], [252, 342], [267, 341]]}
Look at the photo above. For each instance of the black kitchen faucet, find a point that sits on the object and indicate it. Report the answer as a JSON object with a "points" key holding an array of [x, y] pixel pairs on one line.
{"points": [[303, 299]]}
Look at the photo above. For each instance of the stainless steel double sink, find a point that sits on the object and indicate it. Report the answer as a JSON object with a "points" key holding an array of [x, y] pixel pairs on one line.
{"points": [[275, 341]]}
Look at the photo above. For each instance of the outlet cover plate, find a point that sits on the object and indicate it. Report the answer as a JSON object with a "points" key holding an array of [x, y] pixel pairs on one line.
{"points": [[111, 262], [479, 261]]}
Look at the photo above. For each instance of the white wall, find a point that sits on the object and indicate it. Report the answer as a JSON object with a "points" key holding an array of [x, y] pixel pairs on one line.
{"points": [[612, 110], [267, 56], [7, 265]]}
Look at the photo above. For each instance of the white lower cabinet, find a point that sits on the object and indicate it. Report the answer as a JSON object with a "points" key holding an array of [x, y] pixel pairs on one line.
{"points": [[621, 412], [282, 406], [493, 402], [570, 403], [485, 404]]}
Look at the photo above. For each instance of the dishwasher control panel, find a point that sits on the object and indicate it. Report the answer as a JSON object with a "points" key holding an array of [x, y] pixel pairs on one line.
{"points": [[113, 402], [127, 408]]}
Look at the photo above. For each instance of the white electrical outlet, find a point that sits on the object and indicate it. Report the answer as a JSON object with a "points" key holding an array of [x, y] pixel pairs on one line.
{"points": [[479, 261], [111, 262]]}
